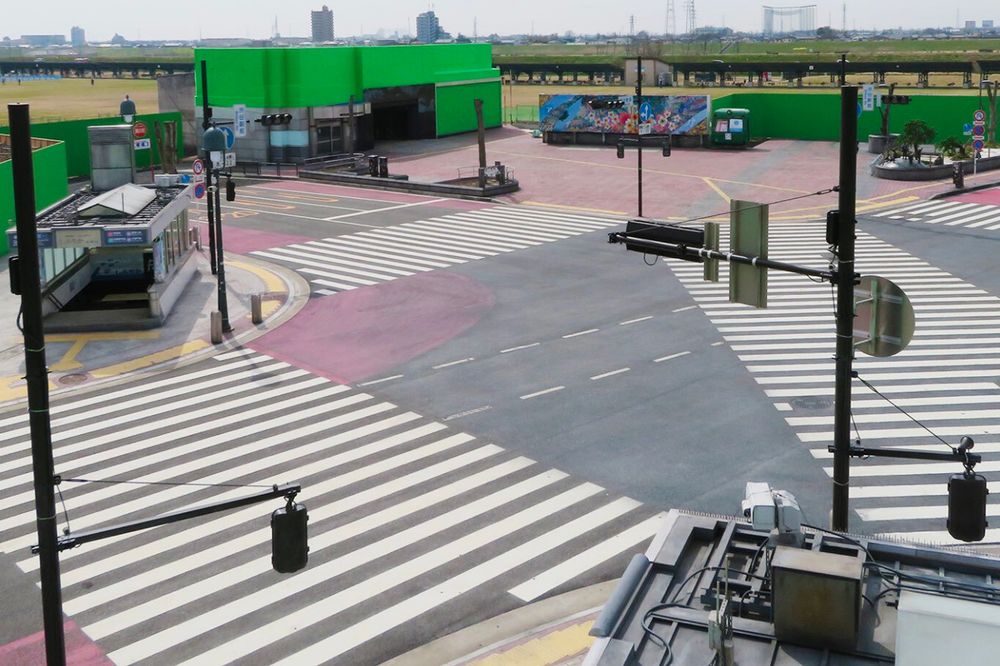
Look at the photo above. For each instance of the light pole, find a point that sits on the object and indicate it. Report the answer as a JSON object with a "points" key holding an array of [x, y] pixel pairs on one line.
{"points": [[214, 145]]}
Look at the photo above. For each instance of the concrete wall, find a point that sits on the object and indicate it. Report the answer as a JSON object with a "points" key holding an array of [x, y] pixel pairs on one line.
{"points": [[176, 95], [49, 165]]}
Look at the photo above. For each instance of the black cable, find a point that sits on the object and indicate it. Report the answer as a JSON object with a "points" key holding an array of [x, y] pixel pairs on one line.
{"points": [[907, 414], [20, 316], [171, 483], [66, 530], [835, 188]]}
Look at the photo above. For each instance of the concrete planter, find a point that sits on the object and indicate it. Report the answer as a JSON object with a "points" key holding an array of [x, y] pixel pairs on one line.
{"points": [[877, 143], [943, 172]]}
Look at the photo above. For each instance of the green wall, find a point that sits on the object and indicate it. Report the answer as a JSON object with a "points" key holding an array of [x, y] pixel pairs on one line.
{"points": [[456, 111], [49, 165], [74, 134], [816, 117], [280, 78]]}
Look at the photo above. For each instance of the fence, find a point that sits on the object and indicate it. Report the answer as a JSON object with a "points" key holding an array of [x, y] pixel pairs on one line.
{"points": [[521, 113]]}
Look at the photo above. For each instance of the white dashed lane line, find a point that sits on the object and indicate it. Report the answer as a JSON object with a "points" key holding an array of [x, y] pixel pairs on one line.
{"points": [[610, 374], [543, 392]]}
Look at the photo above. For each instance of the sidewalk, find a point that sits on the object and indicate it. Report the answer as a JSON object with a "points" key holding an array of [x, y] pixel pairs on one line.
{"points": [[85, 360]]}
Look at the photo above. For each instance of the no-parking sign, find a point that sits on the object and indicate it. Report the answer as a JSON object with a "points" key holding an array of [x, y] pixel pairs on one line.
{"points": [[199, 190], [979, 116], [198, 167]]}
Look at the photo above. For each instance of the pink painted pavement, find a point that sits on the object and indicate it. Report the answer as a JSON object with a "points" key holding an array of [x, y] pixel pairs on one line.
{"points": [[990, 196], [363, 333], [30, 650]]}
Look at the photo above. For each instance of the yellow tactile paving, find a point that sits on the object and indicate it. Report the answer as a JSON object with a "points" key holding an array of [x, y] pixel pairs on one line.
{"points": [[151, 359], [547, 649], [79, 340], [273, 284]]}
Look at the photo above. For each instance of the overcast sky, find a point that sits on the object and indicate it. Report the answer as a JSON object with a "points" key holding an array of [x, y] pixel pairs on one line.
{"points": [[187, 19]]}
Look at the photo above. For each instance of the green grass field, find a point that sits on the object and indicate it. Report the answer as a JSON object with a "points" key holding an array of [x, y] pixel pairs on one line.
{"points": [[69, 99]]}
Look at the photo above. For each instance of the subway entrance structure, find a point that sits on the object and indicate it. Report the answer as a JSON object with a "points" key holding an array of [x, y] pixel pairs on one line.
{"points": [[343, 99]]}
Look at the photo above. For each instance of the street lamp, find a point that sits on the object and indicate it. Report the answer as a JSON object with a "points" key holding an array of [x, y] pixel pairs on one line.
{"points": [[127, 110], [213, 143]]}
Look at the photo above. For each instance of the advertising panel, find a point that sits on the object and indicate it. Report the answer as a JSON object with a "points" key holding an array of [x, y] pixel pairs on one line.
{"points": [[613, 114]]}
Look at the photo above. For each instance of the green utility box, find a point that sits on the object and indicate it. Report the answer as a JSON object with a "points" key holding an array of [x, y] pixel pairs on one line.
{"points": [[731, 127]]}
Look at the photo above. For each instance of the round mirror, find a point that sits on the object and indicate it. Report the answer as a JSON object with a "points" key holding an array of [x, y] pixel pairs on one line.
{"points": [[884, 320]]}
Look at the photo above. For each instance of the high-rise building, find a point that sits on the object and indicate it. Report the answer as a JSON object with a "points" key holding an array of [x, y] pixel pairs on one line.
{"points": [[428, 28], [77, 36], [322, 25]]}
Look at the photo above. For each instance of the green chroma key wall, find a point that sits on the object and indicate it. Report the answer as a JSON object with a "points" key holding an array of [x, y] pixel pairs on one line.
{"points": [[288, 78]]}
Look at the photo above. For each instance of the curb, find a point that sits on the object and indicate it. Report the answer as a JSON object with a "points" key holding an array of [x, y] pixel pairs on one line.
{"points": [[965, 190], [501, 634]]}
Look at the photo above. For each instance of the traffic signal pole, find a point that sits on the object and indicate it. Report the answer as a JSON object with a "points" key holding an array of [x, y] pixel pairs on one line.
{"points": [[845, 278], [36, 375], [206, 122]]}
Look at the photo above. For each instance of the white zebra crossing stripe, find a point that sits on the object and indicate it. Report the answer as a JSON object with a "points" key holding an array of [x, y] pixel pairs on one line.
{"points": [[364, 465], [951, 214], [587, 560], [371, 257], [788, 350]]}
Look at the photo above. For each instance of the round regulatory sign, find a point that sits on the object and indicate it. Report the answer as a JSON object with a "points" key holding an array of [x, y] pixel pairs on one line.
{"points": [[979, 115], [199, 190], [979, 130], [198, 167], [139, 130]]}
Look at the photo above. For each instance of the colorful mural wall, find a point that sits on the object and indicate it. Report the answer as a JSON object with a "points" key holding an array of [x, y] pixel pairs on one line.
{"points": [[614, 114]]}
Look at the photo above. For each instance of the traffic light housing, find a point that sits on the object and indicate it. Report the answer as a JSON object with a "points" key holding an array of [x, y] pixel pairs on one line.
{"points": [[230, 190], [664, 233], [607, 103], [666, 148], [621, 149], [271, 119], [967, 506], [895, 99], [289, 538]]}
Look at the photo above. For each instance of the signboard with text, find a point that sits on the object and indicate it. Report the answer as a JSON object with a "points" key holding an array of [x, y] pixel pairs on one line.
{"points": [[240, 120]]}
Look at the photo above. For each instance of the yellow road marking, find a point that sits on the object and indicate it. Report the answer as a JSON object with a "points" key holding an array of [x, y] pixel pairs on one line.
{"points": [[270, 279], [718, 190], [151, 359], [15, 388], [548, 649], [80, 340], [593, 210]]}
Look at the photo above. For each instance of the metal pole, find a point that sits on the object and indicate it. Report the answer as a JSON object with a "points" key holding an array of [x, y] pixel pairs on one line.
{"points": [[206, 114], [638, 106], [845, 306], [219, 257], [481, 136], [36, 375]]}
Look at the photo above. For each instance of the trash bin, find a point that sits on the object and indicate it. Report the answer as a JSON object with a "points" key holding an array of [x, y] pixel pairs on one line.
{"points": [[731, 127]]}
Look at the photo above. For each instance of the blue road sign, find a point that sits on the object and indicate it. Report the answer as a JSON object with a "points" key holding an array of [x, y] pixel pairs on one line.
{"points": [[230, 136], [860, 109], [978, 145], [199, 190], [645, 111]]}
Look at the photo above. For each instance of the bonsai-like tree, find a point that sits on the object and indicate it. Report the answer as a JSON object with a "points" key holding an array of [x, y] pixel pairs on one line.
{"points": [[885, 109], [916, 133]]}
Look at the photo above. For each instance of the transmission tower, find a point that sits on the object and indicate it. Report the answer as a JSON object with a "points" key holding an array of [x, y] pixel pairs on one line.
{"points": [[631, 25], [690, 15], [671, 25]]}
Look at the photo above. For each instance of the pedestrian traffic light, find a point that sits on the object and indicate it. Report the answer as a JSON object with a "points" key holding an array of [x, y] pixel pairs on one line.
{"points": [[967, 506], [230, 190], [269, 119], [621, 149], [289, 538]]}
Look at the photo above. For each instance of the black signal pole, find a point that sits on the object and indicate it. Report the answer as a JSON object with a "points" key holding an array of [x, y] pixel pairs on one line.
{"points": [[206, 122], [638, 111], [36, 375], [846, 277]]}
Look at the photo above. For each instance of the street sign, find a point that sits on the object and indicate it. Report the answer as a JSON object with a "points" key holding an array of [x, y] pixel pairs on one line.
{"points": [[967, 129], [198, 167], [978, 145], [646, 128], [230, 136], [141, 144], [230, 160], [139, 130], [748, 236], [199, 190], [645, 111], [978, 131], [868, 97], [240, 119], [979, 116], [627, 100]]}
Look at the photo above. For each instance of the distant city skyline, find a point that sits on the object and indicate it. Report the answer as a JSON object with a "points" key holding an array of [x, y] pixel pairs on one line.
{"points": [[189, 20]]}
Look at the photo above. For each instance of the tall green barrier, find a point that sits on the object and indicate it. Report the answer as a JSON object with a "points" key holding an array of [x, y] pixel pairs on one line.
{"points": [[456, 111], [74, 134], [50, 185], [816, 117]]}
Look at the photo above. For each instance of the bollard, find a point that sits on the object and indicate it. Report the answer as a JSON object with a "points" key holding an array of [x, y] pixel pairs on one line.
{"points": [[256, 315], [383, 167], [216, 327]]}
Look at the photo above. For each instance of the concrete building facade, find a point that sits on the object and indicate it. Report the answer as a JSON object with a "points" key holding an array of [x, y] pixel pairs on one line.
{"points": [[322, 25]]}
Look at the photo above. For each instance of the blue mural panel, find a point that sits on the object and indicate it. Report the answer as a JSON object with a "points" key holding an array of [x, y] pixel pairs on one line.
{"points": [[616, 114]]}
